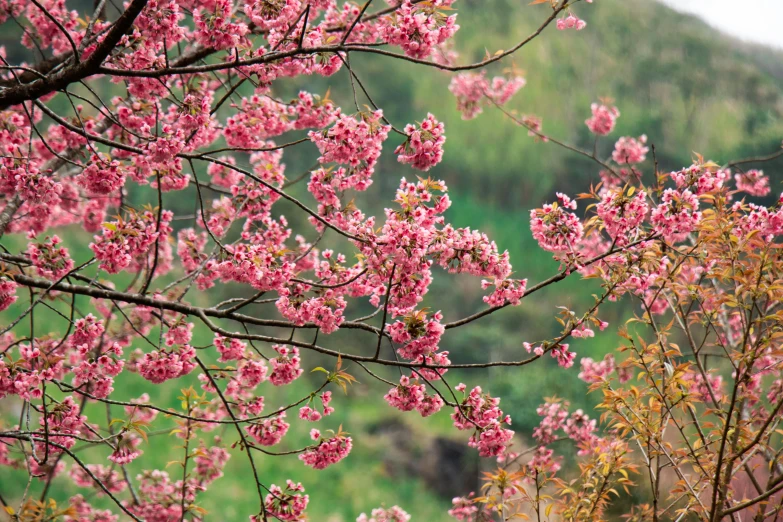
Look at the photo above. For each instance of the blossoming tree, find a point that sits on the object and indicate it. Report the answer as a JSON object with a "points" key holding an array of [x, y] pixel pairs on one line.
{"points": [[702, 264]]}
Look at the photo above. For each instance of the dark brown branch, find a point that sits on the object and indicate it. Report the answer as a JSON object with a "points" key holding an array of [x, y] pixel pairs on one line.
{"points": [[329, 49], [758, 159], [77, 71], [173, 306], [555, 278]]}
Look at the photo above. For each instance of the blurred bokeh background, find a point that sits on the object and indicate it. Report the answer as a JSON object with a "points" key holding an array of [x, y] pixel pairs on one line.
{"points": [[687, 86]]}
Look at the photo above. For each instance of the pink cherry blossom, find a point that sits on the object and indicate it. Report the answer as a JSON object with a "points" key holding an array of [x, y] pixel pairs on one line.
{"points": [[424, 147], [417, 28], [392, 514], [327, 452], [754, 182], [554, 228], [285, 367], [603, 120], [629, 150]]}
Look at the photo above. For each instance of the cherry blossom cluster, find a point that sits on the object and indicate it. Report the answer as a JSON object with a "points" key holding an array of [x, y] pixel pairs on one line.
{"points": [[98, 375], [7, 294], [129, 242], [269, 431], [629, 150], [754, 182], [215, 29], [261, 117], [705, 388], [326, 311], [364, 31], [701, 178], [327, 452], [273, 14], [560, 352], [418, 334], [599, 371], [285, 367], [571, 22], [102, 176], [392, 514], [313, 415], [473, 91], [417, 29], [353, 142], [509, 291], [285, 504], [603, 119], [162, 365], [230, 349], [463, 508], [677, 214], [409, 396], [556, 420], [424, 147], [51, 260], [554, 228], [623, 212], [480, 412]]}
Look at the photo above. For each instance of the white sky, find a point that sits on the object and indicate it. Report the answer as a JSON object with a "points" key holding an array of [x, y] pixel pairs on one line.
{"points": [[758, 21]]}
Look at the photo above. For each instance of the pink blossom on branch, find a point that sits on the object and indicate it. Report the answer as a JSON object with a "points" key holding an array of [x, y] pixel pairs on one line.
{"points": [[7, 293], [623, 213], [570, 22], [463, 508], [424, 147], [702, 178], [392, 514], [603, 120], [287, 504], [327, 452], [51, 260], [285, 367], [418, 28], [754, 182], [554, 228], [353, 142], [269, 432], [677, 214], [629, 150], [473, 91], [480, 412]]}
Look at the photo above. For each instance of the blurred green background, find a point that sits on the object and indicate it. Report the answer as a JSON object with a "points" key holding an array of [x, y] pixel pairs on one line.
{"points": [[689, 88]]}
